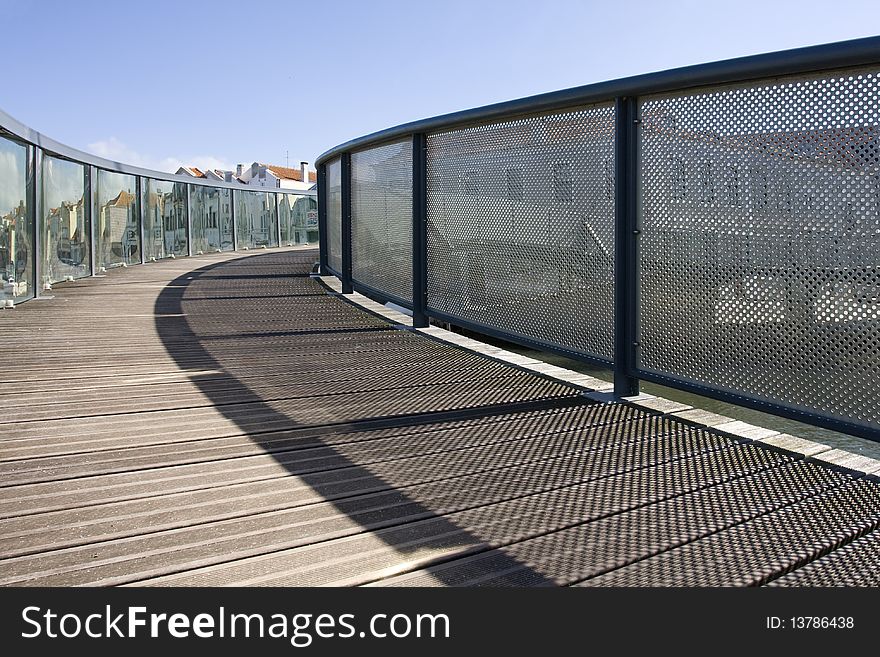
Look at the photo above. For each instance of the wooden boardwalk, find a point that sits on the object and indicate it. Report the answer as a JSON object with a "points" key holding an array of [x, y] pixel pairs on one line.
{"points": [[227, 420]]}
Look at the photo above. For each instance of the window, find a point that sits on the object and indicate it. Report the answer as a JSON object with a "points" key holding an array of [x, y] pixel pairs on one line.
{"points": [[707, 188], [876, 178], [760, 187], [679, 179], [471, 183], [562, 182], [514, 184], [733, 186], [608, 178]]}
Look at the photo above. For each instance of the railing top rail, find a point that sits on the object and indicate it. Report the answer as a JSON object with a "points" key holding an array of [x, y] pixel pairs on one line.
{"points": [[17, 129], [856, 52]]}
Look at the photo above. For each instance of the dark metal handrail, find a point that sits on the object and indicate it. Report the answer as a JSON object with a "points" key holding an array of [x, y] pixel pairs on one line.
{"points": [[625, 94], [786, 62]]}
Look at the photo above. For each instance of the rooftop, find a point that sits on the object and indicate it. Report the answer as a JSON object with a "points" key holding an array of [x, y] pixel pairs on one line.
{"points": [[289, 174]]}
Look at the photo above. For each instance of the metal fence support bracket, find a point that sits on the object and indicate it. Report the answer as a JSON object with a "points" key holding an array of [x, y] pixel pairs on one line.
{"points": [[626, 234], [420, 231], [347, 286], [322, 220]]}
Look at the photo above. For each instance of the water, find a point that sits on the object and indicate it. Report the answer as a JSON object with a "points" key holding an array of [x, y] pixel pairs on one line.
{"points": [[766, 420]]}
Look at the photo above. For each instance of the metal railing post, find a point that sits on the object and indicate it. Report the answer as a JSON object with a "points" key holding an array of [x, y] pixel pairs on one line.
{"points": [[347, 287], [93, 218], [419, 231], [231, 217], [189, 226], [141, 210], [625, 248], [277, 219], [35, 203], [322, 220]]}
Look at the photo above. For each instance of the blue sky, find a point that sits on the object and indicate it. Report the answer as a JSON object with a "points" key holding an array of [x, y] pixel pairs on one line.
{"points": [[214, 83]]}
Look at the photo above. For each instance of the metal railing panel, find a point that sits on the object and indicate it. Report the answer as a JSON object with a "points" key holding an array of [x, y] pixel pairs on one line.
{"points": [[521, 227], [381, 208], [759, 241], [334, 214]]}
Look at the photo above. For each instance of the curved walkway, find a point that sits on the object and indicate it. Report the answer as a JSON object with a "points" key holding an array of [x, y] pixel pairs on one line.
{"points": [[231, 420]]}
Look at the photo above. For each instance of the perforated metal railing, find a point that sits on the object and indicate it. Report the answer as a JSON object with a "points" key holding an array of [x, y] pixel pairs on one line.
{"points": [[521, 227], [334, 215], [715, 228], [760, 240], [381, 218]]}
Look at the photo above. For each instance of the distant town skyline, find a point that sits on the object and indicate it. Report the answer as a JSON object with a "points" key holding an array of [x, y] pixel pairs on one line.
{"points": [[260, 174], [209, 85]]}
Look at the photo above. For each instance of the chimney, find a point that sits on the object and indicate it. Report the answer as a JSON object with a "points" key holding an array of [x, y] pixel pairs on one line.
{"points": [[239, 169], [304, 171]]}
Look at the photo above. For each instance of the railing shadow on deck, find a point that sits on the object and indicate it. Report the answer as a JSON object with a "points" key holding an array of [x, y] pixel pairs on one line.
{"points": [[184, 340]]}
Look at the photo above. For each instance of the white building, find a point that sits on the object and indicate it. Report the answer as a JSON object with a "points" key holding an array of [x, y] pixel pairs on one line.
{"points": [[275, 177], [193, 172], [261, 175], [218, 175]]}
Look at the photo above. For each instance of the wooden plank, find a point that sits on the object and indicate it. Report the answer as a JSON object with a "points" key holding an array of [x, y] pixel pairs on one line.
{"points": [[228, 420]]}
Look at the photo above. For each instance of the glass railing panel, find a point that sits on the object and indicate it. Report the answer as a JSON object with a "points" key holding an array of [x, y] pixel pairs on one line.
{"points": [[270, 211], [285, 219], [65, 233], [165, 232], [211, 219], [304, 219], [117, 230], [225, 237], [298, 216], [256, 219], [16, 224], [203, 218]]}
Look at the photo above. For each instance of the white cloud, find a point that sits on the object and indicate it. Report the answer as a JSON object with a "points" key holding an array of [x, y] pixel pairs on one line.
{"points": [[114, 149], [11, 177], [62, 181], [118, 151]]}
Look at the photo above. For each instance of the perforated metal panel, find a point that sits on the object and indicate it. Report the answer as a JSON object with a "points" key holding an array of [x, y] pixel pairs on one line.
{"points": [[381, 218], [334, 215], [761, 238], [521, 227]]}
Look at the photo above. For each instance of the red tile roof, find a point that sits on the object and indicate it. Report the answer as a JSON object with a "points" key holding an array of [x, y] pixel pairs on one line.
{"points": [[123, 199], [290, 174]]}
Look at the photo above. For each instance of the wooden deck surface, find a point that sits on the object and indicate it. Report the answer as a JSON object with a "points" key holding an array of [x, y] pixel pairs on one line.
{"points": [[227, 420]]}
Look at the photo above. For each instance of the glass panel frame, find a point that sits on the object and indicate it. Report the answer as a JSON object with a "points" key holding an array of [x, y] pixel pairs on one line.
{"points": [[17, 272], [117, 221], [166, 233], [211, 219], [65, 225], [256, 219]]}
